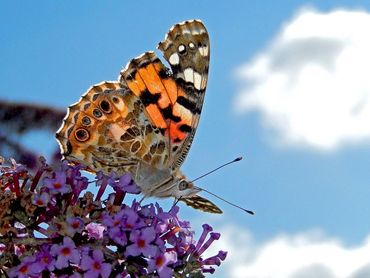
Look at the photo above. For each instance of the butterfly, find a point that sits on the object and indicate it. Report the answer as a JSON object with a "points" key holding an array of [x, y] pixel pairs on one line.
{"points": [[145, 122]]}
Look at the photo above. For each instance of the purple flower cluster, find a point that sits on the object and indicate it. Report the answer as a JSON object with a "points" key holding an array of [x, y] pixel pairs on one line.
{"points": [[50, 226]]}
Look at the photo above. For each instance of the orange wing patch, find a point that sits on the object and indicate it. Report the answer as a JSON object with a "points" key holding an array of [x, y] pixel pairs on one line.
{"points": [[148, 79], [153, 82], [179, 130], [169, 84], [156, 116]]}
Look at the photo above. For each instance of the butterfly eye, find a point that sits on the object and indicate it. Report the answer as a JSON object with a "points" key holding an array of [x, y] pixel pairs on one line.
{"points": [[105, 106], [183, 185], [82, 135]]}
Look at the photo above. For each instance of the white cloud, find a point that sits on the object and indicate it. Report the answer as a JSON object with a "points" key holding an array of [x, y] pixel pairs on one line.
{"points": [[304, 255], [312, 83]]}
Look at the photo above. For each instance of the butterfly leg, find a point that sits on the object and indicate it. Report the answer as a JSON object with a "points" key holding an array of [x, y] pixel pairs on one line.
{"points": [[137, 172], [142, 199], [175, 202]]}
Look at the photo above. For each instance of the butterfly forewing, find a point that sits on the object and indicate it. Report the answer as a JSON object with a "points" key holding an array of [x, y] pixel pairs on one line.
{"points": [[187, 50]]}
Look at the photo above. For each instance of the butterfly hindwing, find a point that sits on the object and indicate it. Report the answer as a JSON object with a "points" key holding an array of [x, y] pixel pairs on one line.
{"points": [[106, 130]]}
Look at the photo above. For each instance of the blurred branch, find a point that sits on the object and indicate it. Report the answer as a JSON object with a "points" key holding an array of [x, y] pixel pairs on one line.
{"points": [[19, 118], [17, 151]]}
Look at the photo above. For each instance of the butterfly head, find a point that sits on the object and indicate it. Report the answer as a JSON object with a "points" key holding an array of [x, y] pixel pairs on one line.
{"points": [[186, 191], [183, 187]]}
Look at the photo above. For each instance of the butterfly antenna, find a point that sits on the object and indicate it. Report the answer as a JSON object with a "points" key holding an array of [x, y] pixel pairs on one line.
{"points": [[219, 167], [226, 201], [213, 194]]}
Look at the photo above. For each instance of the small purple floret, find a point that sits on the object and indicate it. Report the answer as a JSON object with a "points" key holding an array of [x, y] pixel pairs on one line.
{"points": [[41, 200], [74, 225], [65, 253], [142, 243], [124, 183], [58, 183], [160, 263], [94, 265]]}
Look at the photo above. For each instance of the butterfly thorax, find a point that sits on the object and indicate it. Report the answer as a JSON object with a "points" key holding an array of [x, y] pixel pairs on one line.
{"points": [[163, 183]]}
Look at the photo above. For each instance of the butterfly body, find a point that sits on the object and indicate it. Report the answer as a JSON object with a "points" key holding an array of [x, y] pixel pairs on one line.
{"points": [[145, 122]]}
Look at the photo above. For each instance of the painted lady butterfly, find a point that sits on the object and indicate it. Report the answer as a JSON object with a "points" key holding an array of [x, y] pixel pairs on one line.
{"points": [[145, 122]]}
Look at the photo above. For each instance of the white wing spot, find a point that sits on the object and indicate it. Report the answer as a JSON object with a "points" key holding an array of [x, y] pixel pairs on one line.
{"points": [[191, 45], [197, 80], [189, 75], [181, 48], [204, 82], [203, 50], [174, 59]]}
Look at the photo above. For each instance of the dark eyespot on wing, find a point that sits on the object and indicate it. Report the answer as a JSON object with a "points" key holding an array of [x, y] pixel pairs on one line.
{"points": [[105, 106], [97, 113], [86, 121], [82, 135]]}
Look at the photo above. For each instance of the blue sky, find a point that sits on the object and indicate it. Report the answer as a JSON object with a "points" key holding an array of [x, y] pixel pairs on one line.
{"points": [[296, 181]]}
